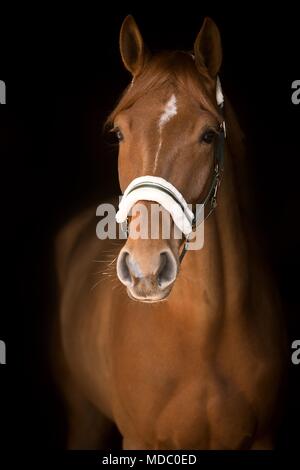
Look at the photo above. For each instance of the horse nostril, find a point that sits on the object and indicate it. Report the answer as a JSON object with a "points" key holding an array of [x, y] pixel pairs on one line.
{"points": [[123, 269], [167, 270]]}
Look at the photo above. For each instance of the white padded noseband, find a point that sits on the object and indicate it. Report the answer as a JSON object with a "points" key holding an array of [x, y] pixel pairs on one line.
{"points": [[157, 189]]}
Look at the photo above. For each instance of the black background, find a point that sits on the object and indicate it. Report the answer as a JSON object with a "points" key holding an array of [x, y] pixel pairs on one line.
{"points": [[63, 75]]}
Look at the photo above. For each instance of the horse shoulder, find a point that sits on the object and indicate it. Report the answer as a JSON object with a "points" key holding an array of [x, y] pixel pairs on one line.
{"points": [[66, 241]]}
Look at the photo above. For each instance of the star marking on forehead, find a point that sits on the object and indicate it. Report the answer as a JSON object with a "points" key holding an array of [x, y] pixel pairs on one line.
{"points": [[169, 111]]}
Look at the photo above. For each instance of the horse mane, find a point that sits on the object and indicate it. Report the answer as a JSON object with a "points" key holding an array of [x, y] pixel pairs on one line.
{"points": [[242, 170]]}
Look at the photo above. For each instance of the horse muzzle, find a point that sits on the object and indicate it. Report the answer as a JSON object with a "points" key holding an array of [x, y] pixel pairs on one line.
{"points": [[147, 278]]}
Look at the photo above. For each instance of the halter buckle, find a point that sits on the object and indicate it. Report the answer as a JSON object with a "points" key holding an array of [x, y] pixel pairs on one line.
{"points": [[184, 250]]}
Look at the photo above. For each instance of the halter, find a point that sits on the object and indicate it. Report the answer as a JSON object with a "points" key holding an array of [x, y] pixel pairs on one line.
{"points": [[154, 188]]}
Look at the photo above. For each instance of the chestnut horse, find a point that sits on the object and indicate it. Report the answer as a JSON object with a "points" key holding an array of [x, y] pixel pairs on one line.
{"points": [[174, 355]]}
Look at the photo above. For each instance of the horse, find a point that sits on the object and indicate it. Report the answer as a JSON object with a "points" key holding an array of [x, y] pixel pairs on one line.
{"points": [[173, 352]]}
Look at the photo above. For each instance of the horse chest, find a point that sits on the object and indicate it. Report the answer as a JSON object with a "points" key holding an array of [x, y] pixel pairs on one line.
{"points": [[195, 413], [174, 403]]}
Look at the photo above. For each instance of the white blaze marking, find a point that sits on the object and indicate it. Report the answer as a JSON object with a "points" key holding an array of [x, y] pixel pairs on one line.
{"points": [[157, 153], [169, 112]]}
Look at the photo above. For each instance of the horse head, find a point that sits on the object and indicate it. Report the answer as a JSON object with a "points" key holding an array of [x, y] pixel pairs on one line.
{"points": [[167, 123]]}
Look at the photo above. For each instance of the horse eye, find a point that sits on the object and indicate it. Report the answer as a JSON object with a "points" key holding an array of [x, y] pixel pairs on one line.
{"points": [[118, 134], [208, 136]]}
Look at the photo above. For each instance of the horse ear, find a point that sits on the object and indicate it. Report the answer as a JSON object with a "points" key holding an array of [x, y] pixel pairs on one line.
{"points": [[132, 46], [208, 48]]}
